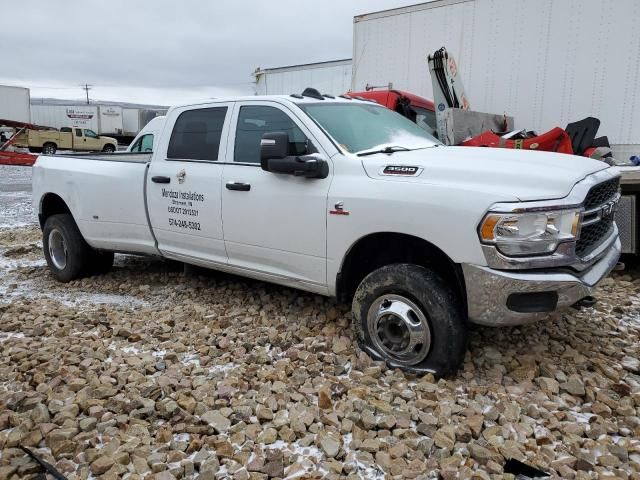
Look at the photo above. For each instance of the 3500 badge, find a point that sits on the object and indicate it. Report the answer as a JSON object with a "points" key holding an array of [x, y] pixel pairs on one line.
{"points": [[401, 170]]}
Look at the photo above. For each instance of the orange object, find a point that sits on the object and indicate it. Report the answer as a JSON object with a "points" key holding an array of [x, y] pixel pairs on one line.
{"points": [[15, 158], [555, 140]]}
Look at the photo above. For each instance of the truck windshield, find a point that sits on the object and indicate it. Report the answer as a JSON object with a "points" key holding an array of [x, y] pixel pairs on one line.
{"points": [[359, 127]]}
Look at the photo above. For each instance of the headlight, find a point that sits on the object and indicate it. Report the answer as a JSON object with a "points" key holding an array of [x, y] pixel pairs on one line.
{"points": [[529, 233]]}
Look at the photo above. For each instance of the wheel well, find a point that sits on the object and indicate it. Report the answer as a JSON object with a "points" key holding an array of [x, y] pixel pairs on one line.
{"points": [[380, 249], [50, 143], [51, 204]]}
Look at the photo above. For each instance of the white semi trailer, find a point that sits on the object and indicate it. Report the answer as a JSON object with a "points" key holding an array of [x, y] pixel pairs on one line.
{"points": [[332, 77], [14, 104], [545, 63]]}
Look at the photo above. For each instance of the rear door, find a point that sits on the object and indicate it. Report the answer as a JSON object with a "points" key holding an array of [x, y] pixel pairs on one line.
{"points": [[78, 142], [183, 185], [274, 224]]}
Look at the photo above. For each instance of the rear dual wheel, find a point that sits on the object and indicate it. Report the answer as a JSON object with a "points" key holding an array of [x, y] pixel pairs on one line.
{"points": [[408, 317], [67, 254]]}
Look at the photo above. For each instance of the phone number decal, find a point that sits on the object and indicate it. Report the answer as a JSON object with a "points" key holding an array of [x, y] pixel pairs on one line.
{"points": [[174, 222]]}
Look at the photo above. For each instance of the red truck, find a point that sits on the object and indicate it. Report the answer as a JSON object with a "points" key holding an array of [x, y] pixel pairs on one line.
{"points": [[404, 103]]}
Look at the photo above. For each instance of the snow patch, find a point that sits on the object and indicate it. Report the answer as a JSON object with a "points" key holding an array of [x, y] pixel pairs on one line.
{"points": [[4, 336], [223, 368]]}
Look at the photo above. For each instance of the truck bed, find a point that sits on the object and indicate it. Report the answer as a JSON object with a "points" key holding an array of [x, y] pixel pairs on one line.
{"points": [[110, 157], [105, 192]]}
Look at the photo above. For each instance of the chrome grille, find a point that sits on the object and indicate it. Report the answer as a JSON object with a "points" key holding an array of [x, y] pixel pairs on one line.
{"points": [[593, 233]]}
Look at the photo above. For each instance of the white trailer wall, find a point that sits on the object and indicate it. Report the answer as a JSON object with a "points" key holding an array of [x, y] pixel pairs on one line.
{"points": [[58, 116], [131, 121], [328, 77], [14, 104], [546, 62], [110, 120]]}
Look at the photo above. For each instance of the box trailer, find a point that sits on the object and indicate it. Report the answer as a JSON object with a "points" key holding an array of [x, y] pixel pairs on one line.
{"points": [[332, 77], [546, 63], [110, 120], [14, 104], [59, 116], [135, 119], [131, 121]]}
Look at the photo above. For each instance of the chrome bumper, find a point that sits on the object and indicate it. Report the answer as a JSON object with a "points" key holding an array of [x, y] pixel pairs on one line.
{"points": [[488, 290]]}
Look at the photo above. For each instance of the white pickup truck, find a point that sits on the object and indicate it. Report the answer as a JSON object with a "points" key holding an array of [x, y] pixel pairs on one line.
{"points": [[345, 198]]}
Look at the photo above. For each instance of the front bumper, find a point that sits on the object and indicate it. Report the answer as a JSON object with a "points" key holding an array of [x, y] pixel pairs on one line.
{"points": [[490, 292]]}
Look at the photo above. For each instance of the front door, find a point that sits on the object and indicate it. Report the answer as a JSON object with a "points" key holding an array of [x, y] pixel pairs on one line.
{"points": [[273, 224], [183, 186], [91, 141]]}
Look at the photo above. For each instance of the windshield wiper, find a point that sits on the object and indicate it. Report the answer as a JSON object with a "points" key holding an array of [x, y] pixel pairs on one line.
{"points": [[387, 150]]}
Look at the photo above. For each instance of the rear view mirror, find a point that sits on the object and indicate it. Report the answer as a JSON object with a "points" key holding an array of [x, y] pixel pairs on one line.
{"points": [[308, 166], [273, 145], [275, 158]]}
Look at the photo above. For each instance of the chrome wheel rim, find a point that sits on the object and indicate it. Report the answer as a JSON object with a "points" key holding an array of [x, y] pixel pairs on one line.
{"points": [[57, 249], [399, 329]]}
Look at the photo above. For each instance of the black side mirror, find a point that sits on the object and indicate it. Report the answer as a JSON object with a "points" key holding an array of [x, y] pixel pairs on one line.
{"points": [[275, 158], [273, 145], [308, 166]]}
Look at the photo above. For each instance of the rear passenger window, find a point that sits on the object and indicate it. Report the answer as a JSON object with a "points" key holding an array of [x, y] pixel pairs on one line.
{"points": [[78, 132], [196, 134], [254, 121]]}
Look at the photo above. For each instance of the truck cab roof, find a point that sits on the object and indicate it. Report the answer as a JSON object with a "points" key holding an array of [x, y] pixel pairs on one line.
{"points": [[293, 98]]}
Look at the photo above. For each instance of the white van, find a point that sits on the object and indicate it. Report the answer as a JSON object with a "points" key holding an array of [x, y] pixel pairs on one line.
{"points": [[145, 141]]}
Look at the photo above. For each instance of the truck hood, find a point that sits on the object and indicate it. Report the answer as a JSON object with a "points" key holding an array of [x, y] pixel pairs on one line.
{"points": [[513, 174], [108, 139]]}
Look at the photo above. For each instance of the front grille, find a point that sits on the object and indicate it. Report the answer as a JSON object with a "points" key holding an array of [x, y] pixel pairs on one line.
{"points": [[601, 193], [591, 236]]}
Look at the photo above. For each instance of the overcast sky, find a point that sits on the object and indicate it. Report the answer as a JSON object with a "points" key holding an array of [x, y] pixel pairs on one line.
{"points": [[168, 51]]}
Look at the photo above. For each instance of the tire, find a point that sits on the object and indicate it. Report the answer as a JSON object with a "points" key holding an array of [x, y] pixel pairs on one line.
{"points": [[109, 148], [66, 252], [408, 317], [49, 148]]}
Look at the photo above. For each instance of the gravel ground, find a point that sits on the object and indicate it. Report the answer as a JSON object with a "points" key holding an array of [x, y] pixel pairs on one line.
{"points": [[146, 373]]}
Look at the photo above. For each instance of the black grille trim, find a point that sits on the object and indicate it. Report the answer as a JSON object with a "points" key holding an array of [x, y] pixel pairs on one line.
{"points": [[592, 236], [601, 193]]}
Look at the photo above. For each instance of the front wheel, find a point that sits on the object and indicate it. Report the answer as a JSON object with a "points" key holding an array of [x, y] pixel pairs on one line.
{"points": [[109, 148], [408, 317], [49, 148]]}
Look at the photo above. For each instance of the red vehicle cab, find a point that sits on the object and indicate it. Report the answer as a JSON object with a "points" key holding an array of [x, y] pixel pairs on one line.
{"points": [[406, 104]]}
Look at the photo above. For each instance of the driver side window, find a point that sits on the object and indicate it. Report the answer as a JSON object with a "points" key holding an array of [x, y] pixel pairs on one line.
{"points": [[256, 120]]}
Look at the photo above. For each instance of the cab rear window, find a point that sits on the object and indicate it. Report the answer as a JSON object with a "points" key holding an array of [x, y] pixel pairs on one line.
{"points": [[196, 134]]}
